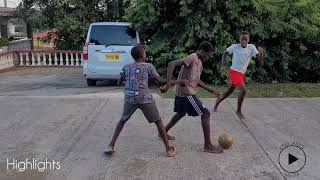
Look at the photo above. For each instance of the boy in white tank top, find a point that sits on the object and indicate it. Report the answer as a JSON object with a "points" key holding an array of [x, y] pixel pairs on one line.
{"points": [[241, 55]]}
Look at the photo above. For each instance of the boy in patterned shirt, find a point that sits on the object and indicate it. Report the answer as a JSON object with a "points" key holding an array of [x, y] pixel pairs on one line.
{"points": [[137, 96]]}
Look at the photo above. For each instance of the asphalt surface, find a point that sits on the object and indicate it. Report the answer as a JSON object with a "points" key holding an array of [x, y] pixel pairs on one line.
{"points": [[51, 113]]}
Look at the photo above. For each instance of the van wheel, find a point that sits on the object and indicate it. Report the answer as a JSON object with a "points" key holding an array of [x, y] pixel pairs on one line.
{"points": [[91, 82], [114, 82]]}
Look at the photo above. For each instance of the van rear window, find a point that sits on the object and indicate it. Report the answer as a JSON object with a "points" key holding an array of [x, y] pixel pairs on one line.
{"points": [[113, 35]]}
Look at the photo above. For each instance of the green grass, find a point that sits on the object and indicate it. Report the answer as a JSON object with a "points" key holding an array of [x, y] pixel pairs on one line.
{"points": [[281, 90]]}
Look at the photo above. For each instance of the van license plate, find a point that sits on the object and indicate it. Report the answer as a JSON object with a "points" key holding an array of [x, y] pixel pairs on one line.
{"points": [[112, 57]]}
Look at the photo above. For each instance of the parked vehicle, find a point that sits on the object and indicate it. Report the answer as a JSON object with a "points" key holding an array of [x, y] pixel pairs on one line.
{"points": [[107, 50]]}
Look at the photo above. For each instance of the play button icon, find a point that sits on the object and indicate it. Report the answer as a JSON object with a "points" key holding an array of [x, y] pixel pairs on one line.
{"points": [[292, 158]]}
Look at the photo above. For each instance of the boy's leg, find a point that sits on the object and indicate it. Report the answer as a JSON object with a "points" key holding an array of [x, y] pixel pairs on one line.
{"points": [[116, 135], [241, 96], [128, 110], [199, 110], [163, 134], [151, 113], [224, 96], [173, 121], [236, 79], [205, 122], [179, 103]]}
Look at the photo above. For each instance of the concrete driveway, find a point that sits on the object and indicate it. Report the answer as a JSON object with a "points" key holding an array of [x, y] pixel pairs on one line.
{"points": [[45, 81], [50, 113]]}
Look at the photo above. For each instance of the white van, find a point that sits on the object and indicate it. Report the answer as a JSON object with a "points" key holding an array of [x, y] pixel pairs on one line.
{"points": [[107, 50]]}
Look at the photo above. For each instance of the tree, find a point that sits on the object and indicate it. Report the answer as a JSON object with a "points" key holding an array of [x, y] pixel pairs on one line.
{"points": [[26, 11], [294, 42], [288, 30], [176, 27], [71, 18]]}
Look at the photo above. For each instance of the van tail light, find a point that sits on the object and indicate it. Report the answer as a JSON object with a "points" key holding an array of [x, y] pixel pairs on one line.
{"points": [[85, 51]]}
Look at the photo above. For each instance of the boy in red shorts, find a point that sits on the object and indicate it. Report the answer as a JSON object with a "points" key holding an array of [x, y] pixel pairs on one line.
{"points": [[241, 55]]}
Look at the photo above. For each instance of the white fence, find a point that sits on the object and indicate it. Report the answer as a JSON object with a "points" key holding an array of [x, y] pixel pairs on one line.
{"points": [[50, 58], [41, 58], [6, 60]]}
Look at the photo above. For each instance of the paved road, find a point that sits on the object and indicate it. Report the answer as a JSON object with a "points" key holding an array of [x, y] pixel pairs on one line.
{"points": [[50, 113], [48, 82]]}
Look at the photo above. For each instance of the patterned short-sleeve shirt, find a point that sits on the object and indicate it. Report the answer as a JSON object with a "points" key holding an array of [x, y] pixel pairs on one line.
{"points": [[137, 75]]}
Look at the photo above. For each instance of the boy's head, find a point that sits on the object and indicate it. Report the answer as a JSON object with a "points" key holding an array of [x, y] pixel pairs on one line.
{"points": [[244, 39], [138, 53], [205, 50]]}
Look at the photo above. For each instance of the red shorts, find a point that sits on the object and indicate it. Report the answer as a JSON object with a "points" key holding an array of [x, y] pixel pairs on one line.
{"points": [[236, 78]]}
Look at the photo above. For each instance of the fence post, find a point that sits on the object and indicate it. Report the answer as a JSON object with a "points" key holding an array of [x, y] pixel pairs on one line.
{"points": [[77, 59], [33, 59], [55, 59]]}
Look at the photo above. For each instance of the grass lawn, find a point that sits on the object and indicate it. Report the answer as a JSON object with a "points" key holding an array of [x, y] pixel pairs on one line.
{"points": [[281, 90]]}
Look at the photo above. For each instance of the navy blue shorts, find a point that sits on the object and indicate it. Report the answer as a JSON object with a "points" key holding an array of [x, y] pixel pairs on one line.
{"points": [[190, 105]]}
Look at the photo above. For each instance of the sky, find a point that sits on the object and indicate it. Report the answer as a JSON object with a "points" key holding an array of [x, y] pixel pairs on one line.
{"points": [[11, 3]]}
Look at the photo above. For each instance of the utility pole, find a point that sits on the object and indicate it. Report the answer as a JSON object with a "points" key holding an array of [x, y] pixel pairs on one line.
{"points": [[5, 3]]}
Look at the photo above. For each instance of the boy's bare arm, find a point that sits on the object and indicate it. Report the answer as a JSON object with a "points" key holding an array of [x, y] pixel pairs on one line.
{"points": [[160, 81], [208, 88], [119, 83], [224, 59], [171, 66], [260, 55]]}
